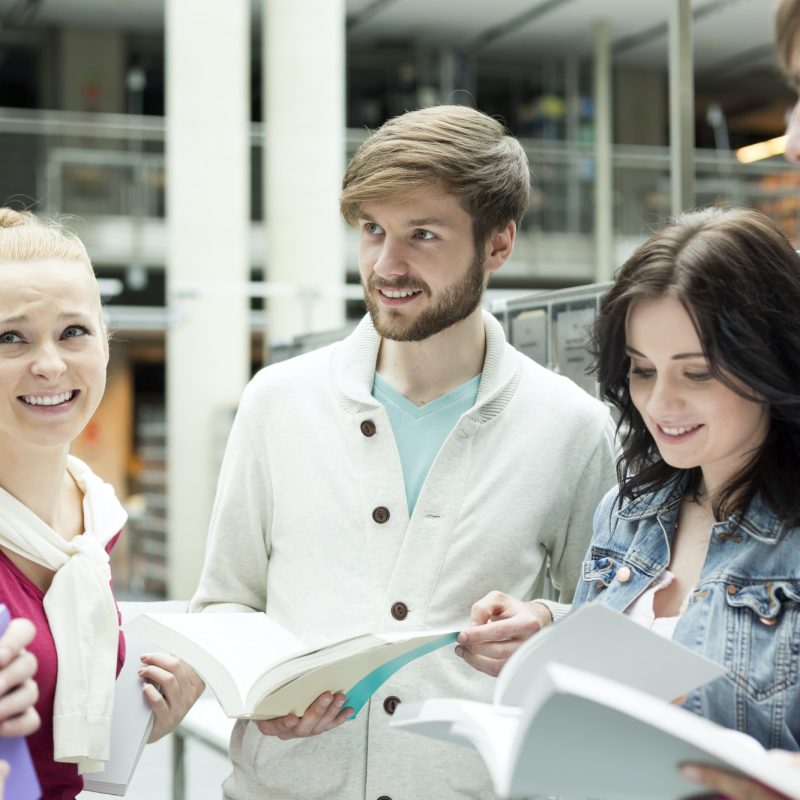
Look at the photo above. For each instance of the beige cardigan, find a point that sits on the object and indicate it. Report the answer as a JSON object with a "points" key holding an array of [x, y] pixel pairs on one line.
{"points": [[293, 533]]}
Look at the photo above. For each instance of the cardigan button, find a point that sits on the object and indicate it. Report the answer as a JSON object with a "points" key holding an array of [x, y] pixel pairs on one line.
{"points": [[390, 704], [399, 611], [624, 574], [731, 588], [368, 428], [381, 514]]}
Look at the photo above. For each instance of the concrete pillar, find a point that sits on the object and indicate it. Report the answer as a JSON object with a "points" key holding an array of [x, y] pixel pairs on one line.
{"points": [[603, 155], [208, 201], [304, 126], [681, 105]]}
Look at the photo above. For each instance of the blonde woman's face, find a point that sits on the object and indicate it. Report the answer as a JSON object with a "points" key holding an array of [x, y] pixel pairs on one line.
{"points": [[53, 352]]}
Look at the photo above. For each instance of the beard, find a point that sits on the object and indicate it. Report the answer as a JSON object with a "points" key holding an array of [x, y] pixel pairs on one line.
{"points": [[454, 304]]}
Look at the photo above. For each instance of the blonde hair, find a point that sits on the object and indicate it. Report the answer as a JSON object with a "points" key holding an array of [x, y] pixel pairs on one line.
{"points": [[466, 153], [787, 31], [26, 237]]}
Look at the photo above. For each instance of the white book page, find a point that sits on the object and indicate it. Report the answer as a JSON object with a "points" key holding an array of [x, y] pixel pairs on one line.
{"points": [[604, 642], [245, 645], [577, 725], [490, 729]]}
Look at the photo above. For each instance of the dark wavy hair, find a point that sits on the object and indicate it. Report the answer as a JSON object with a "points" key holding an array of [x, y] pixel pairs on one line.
{"points": [[738, 277]]}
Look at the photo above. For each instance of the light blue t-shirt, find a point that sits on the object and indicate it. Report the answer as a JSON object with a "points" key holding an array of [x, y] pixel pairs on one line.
{"points": [[420, 431]]}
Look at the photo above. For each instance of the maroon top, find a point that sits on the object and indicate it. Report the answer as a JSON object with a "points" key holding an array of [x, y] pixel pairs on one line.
{"points": [[25, 599]]}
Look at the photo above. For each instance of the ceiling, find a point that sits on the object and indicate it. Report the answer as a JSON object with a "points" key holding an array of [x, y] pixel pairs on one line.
{"points": [[730, 35]]}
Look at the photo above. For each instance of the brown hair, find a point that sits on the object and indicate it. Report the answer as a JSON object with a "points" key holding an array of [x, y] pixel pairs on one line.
{"points": [[26, 237], [787, 30], [465, 152]]}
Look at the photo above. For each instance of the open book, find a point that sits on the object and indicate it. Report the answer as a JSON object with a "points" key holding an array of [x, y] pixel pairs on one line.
{"points": [[585, 737], [583, 693], [259, 670], [131, 719]]}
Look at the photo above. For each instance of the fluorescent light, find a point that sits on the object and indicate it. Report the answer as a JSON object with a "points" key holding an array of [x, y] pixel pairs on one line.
{"points": [[759, 150]]}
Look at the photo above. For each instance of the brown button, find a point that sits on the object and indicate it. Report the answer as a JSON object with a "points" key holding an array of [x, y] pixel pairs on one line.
{"points": [[624, 574], [399, 611], [390, 704], [731, 588], [380, 514], [368, 427], [599, 585]]}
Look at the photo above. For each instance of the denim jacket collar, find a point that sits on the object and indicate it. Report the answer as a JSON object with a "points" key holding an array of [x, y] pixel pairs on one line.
{"points": [[759, 521]]}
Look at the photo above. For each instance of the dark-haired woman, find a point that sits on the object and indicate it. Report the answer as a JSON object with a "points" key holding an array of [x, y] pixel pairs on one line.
{"points": [[698, 350]]}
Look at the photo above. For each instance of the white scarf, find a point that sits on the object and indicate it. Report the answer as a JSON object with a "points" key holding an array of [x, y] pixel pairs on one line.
{"points": [[80, 611]]}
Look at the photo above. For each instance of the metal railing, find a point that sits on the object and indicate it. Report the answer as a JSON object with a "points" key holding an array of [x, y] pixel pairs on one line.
{"points": [[113, 165]]}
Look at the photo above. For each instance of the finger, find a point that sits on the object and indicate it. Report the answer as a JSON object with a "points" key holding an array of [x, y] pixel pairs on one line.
{"points": [[277, 726], [21, 669], [327, 720], [490, 666], [22, 725], [313, 714], [498, 651], [167, 681], [518, 627], [488, 606], [18, 700], [733, 786], [18, 635], [156, 700], [4, 770]]}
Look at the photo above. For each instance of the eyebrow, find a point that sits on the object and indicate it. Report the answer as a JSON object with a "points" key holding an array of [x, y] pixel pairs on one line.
{"points": [[676, 357], [420, 222], [62, 316]]}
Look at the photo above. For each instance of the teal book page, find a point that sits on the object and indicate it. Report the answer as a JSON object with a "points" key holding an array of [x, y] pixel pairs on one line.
{"points": [[369, 684]]}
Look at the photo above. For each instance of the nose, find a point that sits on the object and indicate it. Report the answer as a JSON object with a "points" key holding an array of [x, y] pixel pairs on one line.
{"points": [[48, 362], [792, 149], [664, 399], [391, 261]]}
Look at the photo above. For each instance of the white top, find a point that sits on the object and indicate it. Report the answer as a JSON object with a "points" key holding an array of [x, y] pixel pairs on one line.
{"points": [[311, 525], [641, 609]]}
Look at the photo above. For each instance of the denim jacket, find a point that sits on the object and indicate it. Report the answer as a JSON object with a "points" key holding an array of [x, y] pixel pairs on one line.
{"points": [[744, 611]]}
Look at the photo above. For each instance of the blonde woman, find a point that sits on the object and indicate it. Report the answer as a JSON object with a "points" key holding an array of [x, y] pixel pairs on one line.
{"points": [[59, 521]]}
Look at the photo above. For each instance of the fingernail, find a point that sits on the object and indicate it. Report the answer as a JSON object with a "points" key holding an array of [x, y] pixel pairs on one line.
{"points": [[339, 701], [289, 723], [691, 773], [459, 651], [461, 638], [326, 701]]}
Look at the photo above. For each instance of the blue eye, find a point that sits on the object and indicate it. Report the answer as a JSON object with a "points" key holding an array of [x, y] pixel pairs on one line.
{"points": [[424, 235], [372, 228], [10, 337], [75, 330]]}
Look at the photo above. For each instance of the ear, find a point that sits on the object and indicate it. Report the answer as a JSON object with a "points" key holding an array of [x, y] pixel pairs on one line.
{"points": [[499, 247]]}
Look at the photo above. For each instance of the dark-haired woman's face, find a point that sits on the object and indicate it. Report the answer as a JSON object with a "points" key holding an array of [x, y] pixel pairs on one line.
{"points": [[695, 420]]}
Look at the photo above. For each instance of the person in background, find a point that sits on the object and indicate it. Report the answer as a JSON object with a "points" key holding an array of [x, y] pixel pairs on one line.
{"points": [[58, 521], [387, 481], [787, 44]]}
